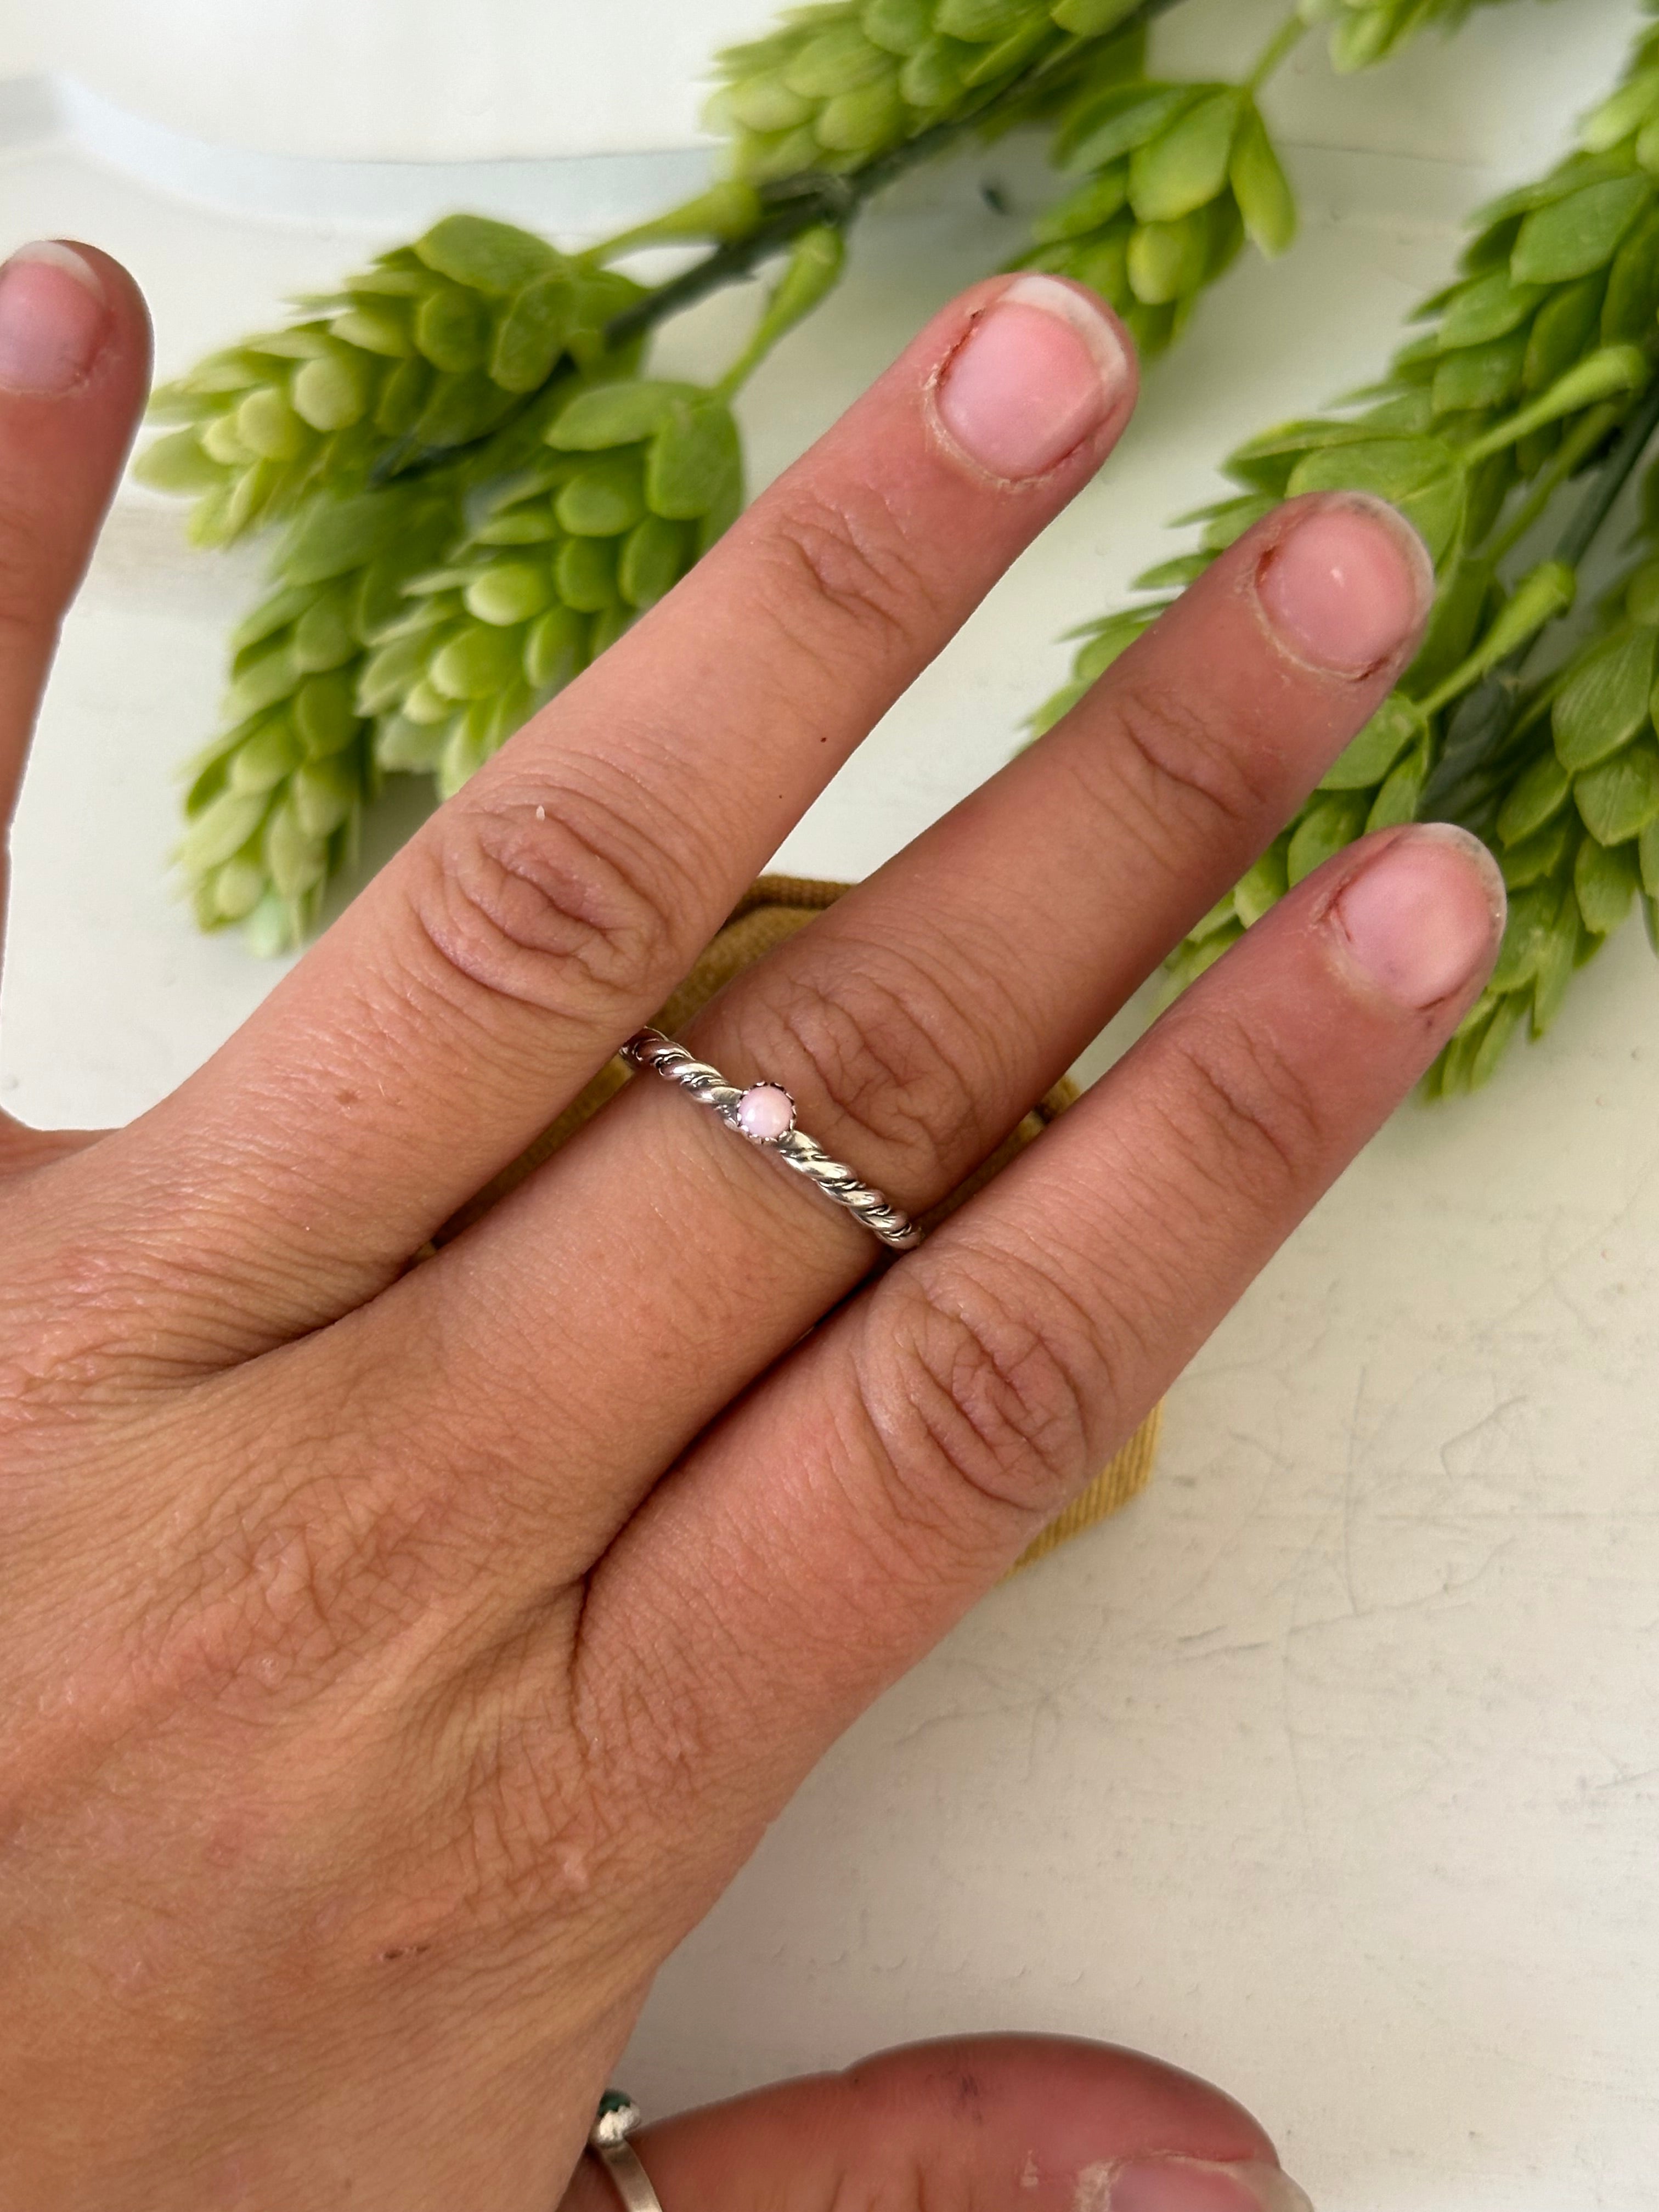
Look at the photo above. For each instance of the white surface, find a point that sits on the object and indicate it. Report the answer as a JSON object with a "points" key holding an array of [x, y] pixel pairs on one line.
{"points": [[1332, 1769], [415, 80]]}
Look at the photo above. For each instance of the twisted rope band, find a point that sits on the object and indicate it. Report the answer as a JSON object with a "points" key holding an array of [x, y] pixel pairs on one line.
{"points": [[652, 1049]]}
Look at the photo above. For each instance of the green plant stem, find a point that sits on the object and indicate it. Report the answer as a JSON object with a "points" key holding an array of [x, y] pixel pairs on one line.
{"points": [[1278, 51], [797, 203]]}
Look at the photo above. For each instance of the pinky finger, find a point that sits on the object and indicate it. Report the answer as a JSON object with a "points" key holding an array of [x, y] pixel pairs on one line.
{"points": [[840, 1520]]}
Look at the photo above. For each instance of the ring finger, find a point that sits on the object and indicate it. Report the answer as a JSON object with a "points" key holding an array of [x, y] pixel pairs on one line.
{"points": [[914, 1024]]}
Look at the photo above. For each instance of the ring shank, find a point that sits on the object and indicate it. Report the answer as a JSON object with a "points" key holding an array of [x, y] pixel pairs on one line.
{"points": [[832, 1179], [633, 2183]]}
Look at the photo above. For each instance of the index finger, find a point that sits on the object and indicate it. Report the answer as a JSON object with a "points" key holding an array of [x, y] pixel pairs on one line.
{"points": [[550, 909]]}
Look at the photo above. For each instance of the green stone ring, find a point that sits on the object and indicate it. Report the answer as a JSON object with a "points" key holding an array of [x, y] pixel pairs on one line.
{"points": [[607, 2140]]}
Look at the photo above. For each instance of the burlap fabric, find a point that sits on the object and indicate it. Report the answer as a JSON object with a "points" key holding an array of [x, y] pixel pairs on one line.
{"points": [[769, 915]]}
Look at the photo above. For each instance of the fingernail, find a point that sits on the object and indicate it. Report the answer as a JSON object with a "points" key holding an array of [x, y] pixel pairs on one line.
{"points": [[1189, 2185], [53, 320], [1424, 918], [1348, 587], [1040, 371]]}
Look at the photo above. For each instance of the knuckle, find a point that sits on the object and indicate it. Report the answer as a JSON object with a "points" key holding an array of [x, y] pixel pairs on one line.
{"points": [[982, 1388], [1187, 781], [897, 1064], [851, 579], [1251, 1122], [565, 908]]}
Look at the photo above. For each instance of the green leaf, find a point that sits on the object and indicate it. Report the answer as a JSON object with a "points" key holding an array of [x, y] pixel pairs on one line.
{"points": [[1267, 882], [1606, 702], [265, 759], [1554, 970], [1648, 858], [1398, 800], [374, 329], [695, 461], [388, 674], [326, 635], [1499, 1035], [1396, 725], [1537, 798], [1605, 880], [280, 611], [1572, 236], [451, 329], [510, 592], [838, 60], [610, 415], [1326, 827], [326, 714], [1490, 307], [1540, 855], [1562, 332], [1168, 260], [492, 257], [1184, 166], [935, 76], [323, 795], [403, 747], [603, 500], [586, 573], [1089, 209], [1175, 575], [657, 555], [531, 334], [482, 661], [1087, 19], [264, 681], [898, 27], [298, 863], [334, 536], [1106, 129], [222, 831], [177, 465], [1632, 295], [334, 392], [1265, 201], [980, 21], [557, 649], [1618, 799], [1483, 376], [862, 122]]}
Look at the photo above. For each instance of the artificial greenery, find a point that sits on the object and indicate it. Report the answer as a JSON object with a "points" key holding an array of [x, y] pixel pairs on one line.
{"points": [[477, 482]]}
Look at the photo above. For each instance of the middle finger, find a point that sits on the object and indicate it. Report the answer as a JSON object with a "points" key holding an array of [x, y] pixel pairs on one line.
{"points": [[658, 1263], [500, 960]]}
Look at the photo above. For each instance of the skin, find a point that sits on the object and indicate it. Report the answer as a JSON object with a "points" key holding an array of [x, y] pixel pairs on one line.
{"points": [[395, 1665]]}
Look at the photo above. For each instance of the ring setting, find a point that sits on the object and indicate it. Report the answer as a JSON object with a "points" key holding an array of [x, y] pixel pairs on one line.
{"points": [[764, 1114]]}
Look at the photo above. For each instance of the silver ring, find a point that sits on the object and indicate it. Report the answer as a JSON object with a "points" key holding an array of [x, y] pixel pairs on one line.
{"points": [[764, 1114], [615, 2121]]}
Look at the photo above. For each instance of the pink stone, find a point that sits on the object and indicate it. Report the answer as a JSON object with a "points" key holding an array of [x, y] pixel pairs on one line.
{"points": [[766, 1113]]}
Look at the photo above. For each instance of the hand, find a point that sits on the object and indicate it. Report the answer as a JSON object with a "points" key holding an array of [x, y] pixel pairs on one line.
{"points": [[394, 1664]]}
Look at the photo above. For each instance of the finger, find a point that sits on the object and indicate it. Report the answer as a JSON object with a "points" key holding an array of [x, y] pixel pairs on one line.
{"points": [[983, 2124], [74, 370], [902, 1460], [913, 1024], [552, 906]]}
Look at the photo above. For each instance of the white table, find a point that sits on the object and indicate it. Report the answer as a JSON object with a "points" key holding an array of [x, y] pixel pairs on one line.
{"points": [[1332, 1769]]}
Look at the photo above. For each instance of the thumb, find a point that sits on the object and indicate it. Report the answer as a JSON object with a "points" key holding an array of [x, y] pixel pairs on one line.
{"points": [[999, 2123]]}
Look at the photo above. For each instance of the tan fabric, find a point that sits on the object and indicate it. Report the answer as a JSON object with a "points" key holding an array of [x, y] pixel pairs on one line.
{"points": [[772, 912]]}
